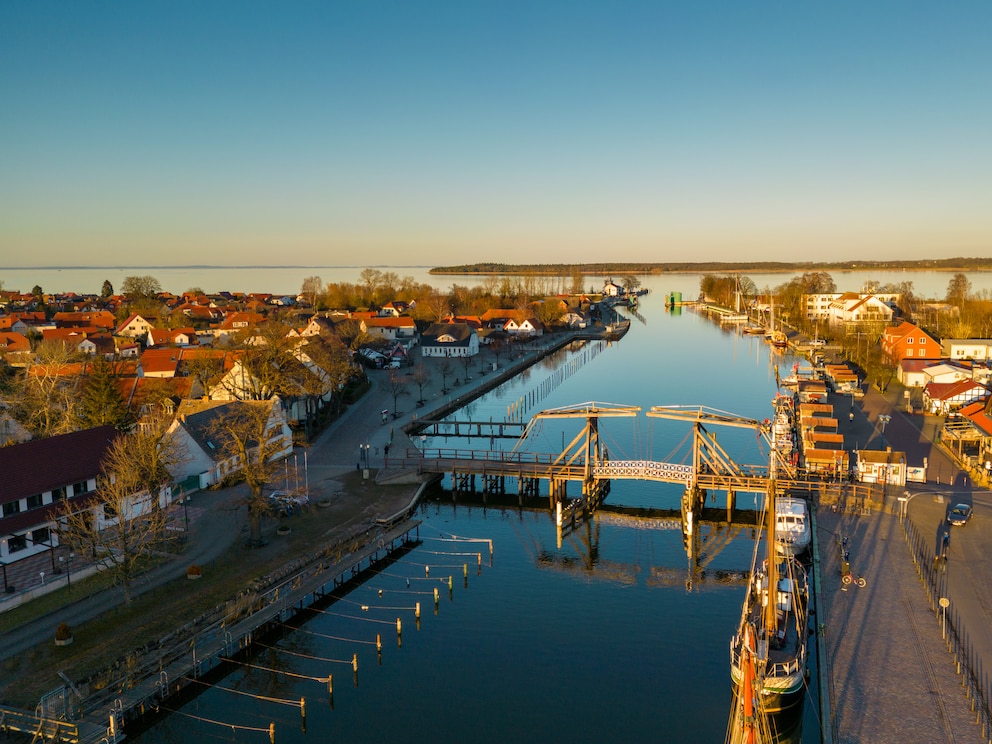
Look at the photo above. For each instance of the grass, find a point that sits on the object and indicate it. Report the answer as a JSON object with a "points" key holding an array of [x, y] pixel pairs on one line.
{"points": [[154, 614]]}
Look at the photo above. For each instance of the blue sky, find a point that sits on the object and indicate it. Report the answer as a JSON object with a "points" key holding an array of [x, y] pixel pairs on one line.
{"points": [[365, 132]]}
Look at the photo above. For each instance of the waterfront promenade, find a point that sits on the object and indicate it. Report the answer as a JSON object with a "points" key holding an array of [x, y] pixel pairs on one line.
{"points": [[890, 675], [218, 518]]}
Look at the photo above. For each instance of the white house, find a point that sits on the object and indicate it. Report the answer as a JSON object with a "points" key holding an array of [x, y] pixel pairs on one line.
{"points": [[942, 398], [851, 308], [967, 348], [882, 466], [449, 340], [196, 435]]}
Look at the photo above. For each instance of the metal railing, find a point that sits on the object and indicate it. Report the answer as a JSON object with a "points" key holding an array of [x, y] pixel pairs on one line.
{"points": [[974, 677]]}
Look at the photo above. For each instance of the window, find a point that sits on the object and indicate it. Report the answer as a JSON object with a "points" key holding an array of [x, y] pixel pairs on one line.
{"points": [[17, 543], [909, 339], [11, 508], [81, 487], [58, 494], [35, 502], [41, 536]]}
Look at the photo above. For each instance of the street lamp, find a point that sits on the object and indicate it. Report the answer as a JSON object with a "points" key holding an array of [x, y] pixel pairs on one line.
{"points": [[68, 575]]}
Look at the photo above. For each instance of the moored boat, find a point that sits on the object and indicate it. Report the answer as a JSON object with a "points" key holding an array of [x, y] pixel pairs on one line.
{"points": [[792, 526], [774, 615]]}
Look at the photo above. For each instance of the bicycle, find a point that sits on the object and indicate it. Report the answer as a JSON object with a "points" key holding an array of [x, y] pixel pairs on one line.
{"points": [[849, 578]]}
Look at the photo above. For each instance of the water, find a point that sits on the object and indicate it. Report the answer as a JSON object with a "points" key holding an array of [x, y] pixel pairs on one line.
{"points": [[289, 280], [599, 640]]}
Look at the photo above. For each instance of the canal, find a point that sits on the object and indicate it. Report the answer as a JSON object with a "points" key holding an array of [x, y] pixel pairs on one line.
{"points": [[610, 637]]}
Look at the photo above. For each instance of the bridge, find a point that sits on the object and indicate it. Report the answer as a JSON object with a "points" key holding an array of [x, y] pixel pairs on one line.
{"points": [[586, 461]]}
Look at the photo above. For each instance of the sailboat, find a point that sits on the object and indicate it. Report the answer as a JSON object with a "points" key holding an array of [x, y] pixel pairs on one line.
{"points": [[774, 617], [775, 336]]}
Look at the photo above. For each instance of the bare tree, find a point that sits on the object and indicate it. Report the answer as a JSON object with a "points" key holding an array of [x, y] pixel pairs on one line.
{"points": [[247, 436], [125, 521], [421, 377], [312, 291], [397, 386], [444, 369], [46, 396]]}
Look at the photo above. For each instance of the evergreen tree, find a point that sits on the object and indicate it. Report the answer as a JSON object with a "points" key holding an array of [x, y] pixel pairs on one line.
{"points": [[107, 290], [101, 401]]}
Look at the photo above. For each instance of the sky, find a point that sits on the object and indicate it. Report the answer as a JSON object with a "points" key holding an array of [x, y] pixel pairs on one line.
{"points": [[432, 132]]}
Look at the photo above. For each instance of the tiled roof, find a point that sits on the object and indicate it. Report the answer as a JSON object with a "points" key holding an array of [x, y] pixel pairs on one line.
{"points": [[43, 464]]}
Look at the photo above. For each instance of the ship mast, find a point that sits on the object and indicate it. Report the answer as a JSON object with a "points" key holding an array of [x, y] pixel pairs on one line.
{"points": [[771, 615]]}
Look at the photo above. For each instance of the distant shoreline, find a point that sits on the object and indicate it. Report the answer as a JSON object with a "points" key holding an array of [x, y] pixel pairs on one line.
{"points": [[655, 269]]}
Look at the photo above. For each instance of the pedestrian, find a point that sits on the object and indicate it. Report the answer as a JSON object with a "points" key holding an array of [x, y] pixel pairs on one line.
{"points": [[385, 450]]}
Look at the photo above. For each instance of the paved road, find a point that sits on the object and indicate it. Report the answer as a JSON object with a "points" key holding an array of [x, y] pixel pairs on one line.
{"points": [[223, 517]]}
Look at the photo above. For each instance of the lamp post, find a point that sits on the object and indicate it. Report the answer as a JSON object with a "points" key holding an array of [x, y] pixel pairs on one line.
{"points": [[68, 563]]}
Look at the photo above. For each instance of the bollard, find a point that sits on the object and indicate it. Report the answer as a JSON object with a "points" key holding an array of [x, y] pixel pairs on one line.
{"points": [[450, 587], [465, 570], [303, 713], [427, 571], [378, 643], [435, 597], [416, 611], [354, 662]]}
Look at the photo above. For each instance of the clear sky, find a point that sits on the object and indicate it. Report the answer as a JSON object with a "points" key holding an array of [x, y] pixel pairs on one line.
{"points": [[433, 132]]}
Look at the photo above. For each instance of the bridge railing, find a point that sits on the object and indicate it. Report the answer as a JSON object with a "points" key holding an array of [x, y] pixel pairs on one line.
{"points": [[444, 453]]}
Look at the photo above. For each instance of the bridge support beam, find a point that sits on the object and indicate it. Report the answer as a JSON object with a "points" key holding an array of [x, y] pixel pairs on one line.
{"points": [[731, 503], [495, 484]]}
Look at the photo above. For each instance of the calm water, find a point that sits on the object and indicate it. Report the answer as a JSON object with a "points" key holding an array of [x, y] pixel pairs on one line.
{"points": [[288, 280], [599, 640]]}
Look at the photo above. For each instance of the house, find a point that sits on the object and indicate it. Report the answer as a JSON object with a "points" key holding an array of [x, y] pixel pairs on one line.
{"points": [[319, 325], [402, 328], [38, 476], [171, 336], [906, 340], [943, 398], [11, 341], [912, 372], [853, 309], [237, 322], [575, 319], [195, 434], [98, 344], [449, 340], [159, 362], [969, 434], [881, 466], [98, 319], [966, 348], [135, 326], [612, 289], [13, 324]]}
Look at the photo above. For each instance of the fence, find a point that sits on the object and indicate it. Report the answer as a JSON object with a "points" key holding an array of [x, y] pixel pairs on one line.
{"points": [[974, 678]]}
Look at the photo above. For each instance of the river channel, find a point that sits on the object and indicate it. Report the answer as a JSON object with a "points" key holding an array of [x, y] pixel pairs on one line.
{"points": [[610, 637]]}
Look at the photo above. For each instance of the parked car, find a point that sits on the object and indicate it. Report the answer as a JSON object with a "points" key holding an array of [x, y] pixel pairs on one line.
{"points": [[285, 504], [959, 514]]}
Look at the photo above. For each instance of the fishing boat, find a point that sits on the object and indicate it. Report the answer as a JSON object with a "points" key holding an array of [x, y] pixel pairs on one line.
{"points": [[774, 616]]}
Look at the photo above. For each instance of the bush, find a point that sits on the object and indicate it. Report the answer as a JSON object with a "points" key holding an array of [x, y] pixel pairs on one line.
{"points": [[63, 632], [193, 570]]}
